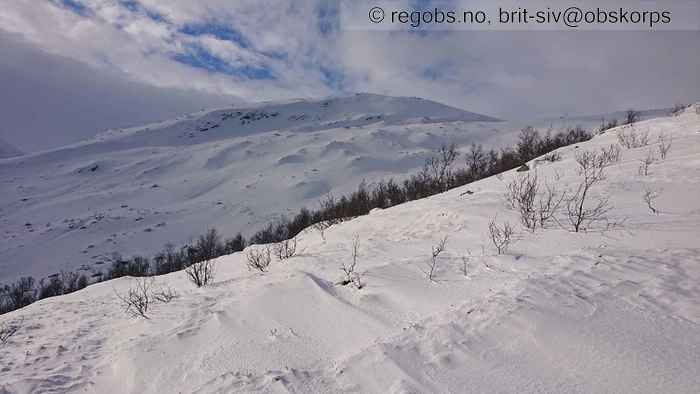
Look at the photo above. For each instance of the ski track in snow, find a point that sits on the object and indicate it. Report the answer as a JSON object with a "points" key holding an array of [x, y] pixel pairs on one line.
{"points": [[614, 311]]}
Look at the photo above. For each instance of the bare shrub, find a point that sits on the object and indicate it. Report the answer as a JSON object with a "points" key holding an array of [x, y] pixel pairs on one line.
{"points": [[552, 157], [165, 294], [609, 155], [649, 198], [8, 330], [607, 125], [521, 193], [201, 273], [631, 117], [645, 163], [594, 163], [579, 212], [259, 258], [138, 299], [286, 248], [436, 251], [664, 145], [321, 228], [349, 269], [548, 204], [632, 139], [536, 205], [500, 236], [678, 109]]}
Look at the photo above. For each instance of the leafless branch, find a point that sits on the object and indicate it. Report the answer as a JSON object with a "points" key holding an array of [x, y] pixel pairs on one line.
{"points": [[8, 330], [664, 145], [138, 299], [259, 258], [286, 248], [646, 163], [436, 251], [649, 198], [201, 273], [500, 236]]}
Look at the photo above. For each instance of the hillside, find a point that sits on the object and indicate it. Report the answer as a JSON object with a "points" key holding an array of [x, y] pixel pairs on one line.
{"points": [[132, 191], [611, 309]]}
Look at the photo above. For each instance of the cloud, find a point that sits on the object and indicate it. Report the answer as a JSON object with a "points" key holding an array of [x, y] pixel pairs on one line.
{"points": [[278, 49], [49, 100]]}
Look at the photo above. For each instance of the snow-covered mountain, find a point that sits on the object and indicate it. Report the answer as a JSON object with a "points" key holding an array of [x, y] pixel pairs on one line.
{"points": [[614, 309], [131, 191], [8, 150]]}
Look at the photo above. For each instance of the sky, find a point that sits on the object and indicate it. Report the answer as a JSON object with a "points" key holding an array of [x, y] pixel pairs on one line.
{"points": [[72, 68]]}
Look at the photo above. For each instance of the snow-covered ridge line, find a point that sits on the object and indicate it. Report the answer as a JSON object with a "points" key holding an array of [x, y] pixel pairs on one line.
{"points": [[611, 311]]}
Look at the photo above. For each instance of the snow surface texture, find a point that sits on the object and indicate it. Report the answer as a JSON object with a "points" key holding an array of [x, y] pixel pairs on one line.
{"points": [[132, 191], [561, 312]]}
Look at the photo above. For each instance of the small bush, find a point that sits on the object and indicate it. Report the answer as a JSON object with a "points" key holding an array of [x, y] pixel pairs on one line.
{"points": [[645, 163], [552, 157], [521, 195], [436, 251], [201, 273], [649, 198], [8, 330], [631, 117], [500, 236], [548, 204], [351, 274], [259, 259], [605, 126], [165, 295], [609, 155], [138, 299], [631, 139], [579, 212], [678, 109], [664, 145], [286, 248]]}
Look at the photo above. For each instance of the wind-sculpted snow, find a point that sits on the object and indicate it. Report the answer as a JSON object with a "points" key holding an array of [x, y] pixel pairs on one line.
{"points": [[611, 309]]}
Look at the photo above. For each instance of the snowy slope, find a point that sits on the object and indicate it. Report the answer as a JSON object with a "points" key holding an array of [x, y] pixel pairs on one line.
{"points": [[564, 312], [7, 150], [134, 190]]}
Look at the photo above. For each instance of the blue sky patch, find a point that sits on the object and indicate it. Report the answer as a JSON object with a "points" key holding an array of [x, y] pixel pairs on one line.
{"points": [[73, 5], [136, 7], [222, 32], [199, 57]]}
